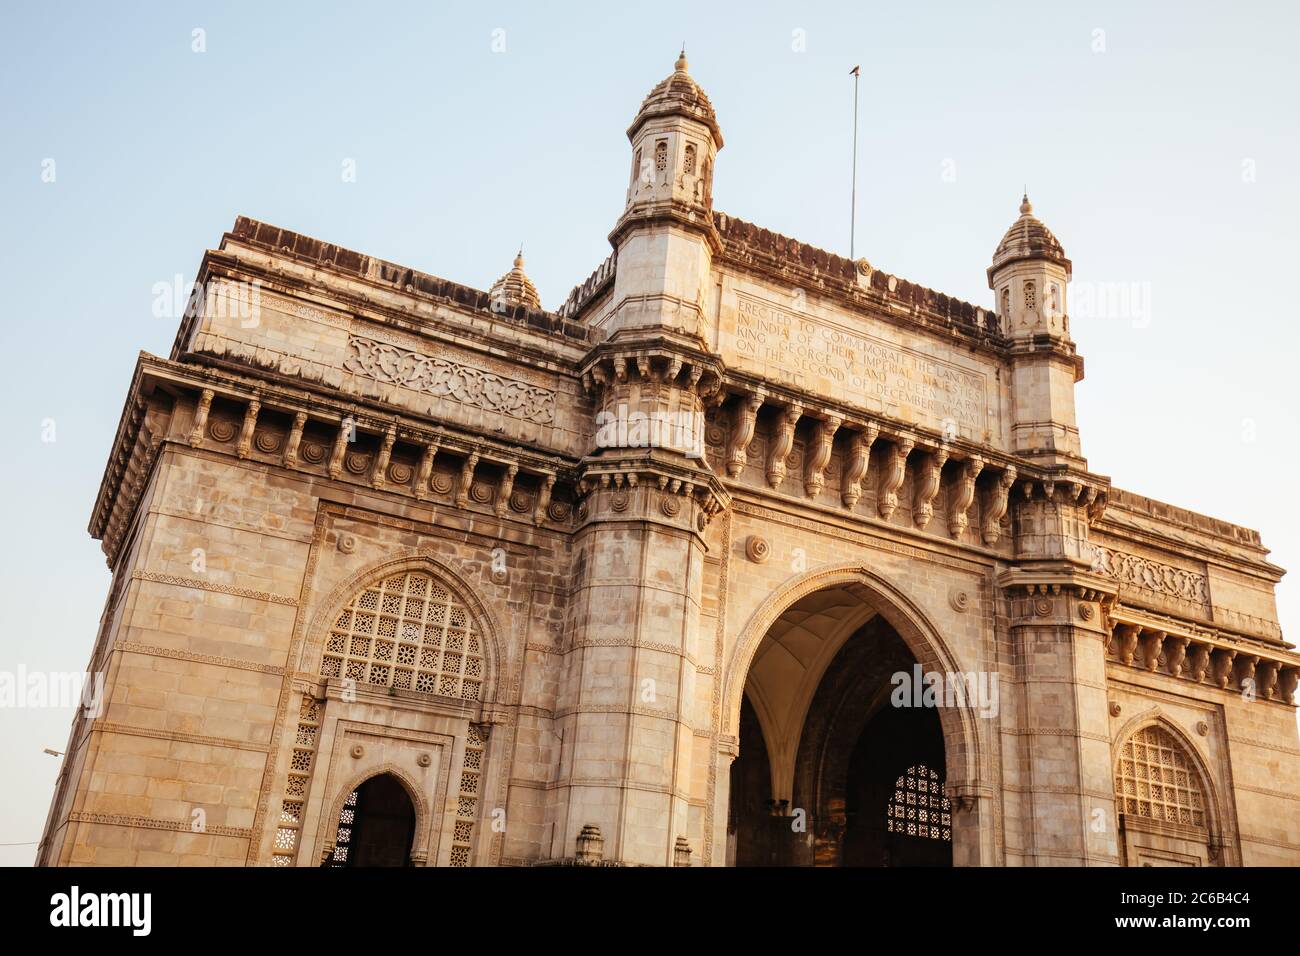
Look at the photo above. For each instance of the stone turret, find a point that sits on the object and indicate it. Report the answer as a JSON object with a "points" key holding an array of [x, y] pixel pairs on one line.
{"points": [[665, 239], [1028, 276]]}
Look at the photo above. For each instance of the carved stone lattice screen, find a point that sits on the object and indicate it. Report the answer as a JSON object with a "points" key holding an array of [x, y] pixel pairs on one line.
{"points": [[408, 632], [918, 807], [343, 833], [1154, 778]]}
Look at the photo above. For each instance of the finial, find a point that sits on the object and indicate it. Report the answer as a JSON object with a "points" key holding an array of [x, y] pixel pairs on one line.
{"points": [[519, 257], [681, 59], [1025, 208]]}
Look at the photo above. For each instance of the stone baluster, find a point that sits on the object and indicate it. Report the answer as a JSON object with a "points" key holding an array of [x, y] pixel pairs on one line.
{"points": [[543, 499], [999, 497], [245, 447], [347, 432], [856, 464], [380, 476], [1152, 648], [294, 440], [1223, 658], [1128, 642], [928, 485], [1176, 654], [466, 480], [895, 473], [965, 496], [201, 417], [742, 433], [426, 470], [782, 442], [819, 455], [505, 490], [1199, 662]]}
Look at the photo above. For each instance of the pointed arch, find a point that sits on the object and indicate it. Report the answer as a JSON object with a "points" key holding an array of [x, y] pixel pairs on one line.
{"points": [[962, 742], [422, 811], [373, 576], [1198, 766]]}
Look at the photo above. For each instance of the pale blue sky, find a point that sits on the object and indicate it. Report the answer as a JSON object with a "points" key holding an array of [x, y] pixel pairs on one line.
{"points": [[1134, 156]]}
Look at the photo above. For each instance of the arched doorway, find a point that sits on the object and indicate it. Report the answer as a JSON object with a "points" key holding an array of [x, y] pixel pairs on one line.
{"points": [[835, 765], [376, 825]]}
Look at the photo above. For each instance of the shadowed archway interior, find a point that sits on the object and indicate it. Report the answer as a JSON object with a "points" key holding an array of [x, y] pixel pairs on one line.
{"points": [[376, 825], [829, 772]]}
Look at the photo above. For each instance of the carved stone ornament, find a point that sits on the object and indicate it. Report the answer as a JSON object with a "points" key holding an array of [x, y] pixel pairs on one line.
{"points": [[347, 543], [959, 600], [357, 751], [757, 549]]}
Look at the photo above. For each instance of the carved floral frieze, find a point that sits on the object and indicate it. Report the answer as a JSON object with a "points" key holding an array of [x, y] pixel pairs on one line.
{"points": [[447, 379]]}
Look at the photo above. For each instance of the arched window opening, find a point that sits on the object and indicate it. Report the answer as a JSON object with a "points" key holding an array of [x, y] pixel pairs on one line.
{"points": [[376, 826], [636, 166], [689, 164], [1031, 297], [407, 632], [1006, 302], [661, 155], [918, 807], [1155, 779]]}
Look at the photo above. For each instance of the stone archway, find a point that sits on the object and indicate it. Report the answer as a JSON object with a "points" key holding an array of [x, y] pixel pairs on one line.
{"points": [[807, 690], [375, 824]]}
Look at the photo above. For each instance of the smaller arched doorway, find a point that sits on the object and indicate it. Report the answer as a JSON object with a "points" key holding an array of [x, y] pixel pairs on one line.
{"points": [[376, 825]]}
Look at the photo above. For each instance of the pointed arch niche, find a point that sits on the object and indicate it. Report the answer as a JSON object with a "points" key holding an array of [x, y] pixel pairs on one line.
{"points": [[1164, 798]]}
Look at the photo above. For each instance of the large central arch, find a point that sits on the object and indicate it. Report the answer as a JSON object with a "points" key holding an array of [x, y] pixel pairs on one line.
{"points": [[815, 615]]}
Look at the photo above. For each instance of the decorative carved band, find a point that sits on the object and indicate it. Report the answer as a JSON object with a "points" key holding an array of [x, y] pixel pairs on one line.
{"points": [[211, 586], [460, 383], [1151, 575], [152, 823]]}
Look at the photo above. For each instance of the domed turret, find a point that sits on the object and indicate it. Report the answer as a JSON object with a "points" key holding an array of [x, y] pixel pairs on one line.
{"points": [[678, 95], [1029, 275], [515, 288], [1028, 238], [675, 138]]}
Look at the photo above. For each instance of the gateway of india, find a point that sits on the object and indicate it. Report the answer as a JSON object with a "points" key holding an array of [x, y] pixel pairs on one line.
{"points": [[747, 554]]}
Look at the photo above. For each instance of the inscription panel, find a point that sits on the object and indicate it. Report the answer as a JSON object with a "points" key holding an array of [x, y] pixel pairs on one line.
{"points": [[895, 380]]}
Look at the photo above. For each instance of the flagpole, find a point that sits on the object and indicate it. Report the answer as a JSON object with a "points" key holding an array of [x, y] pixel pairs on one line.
{"points": [[853, 208]]}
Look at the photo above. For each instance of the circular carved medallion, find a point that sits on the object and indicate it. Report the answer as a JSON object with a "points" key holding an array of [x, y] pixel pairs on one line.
{"points": [[480, 493], [620, 501], [313, 453], [757, 549], [400, 473], [357, 462], [221, 430], [347, 543], [670, 506], [520, 501], [441, 483], [267, 441], [558, 511], [959, 600], [1043, 607], [1085, 611], [424, 760], [715, 435], [357, 751]]}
